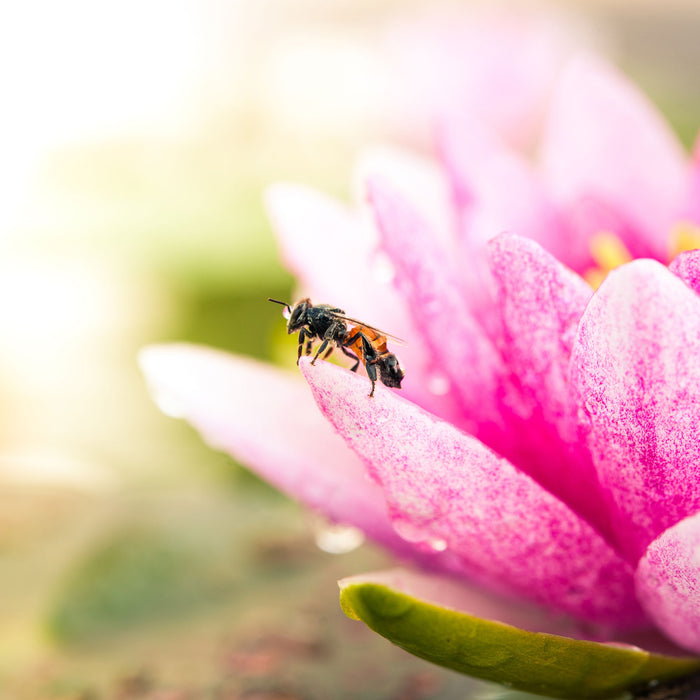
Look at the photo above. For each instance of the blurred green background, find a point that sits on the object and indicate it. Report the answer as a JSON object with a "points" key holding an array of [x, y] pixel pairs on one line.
{"points": [[137, 139]]}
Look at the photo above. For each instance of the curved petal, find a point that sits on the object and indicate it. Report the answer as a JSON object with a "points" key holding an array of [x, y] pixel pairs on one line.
{"points": [[265, 418], [418, 179], [465, 144], [332, 252], [668, 582], [635, 368], [428, 279], [604, 143], [541, 302], [687, 266], [446, 491], [313, 230], [498, 191]]}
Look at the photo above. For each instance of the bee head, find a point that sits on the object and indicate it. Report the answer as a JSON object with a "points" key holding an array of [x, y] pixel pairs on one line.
{"points": [[297, 318], [390, 372]]}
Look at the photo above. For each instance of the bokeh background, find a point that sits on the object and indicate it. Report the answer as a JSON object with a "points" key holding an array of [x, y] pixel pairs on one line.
{"points": [[136, 139]]}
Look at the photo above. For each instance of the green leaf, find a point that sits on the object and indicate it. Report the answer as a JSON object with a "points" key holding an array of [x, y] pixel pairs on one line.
{"points": [[535, 662]]}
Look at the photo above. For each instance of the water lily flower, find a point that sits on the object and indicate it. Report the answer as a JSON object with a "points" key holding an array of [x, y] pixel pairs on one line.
{"points": [[546, 443]]}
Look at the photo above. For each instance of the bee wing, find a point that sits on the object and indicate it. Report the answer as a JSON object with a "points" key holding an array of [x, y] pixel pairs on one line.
{"points": [[357, 322]]}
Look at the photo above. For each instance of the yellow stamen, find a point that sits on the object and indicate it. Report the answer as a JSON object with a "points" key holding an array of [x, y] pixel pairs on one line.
{"points": [[608, 252], [685, 235], [594, 276]]}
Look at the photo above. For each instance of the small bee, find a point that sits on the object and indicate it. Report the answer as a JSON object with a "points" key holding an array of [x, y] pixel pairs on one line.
{"points": [[355, 339]]}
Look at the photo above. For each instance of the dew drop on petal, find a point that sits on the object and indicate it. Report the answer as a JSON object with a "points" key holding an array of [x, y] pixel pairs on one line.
{"points": [[419, 536], [406, 530], [335, 538], [437, 544], [438, 384]]}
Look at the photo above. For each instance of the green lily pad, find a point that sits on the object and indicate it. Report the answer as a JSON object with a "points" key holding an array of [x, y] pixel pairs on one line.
{"points": [[536, 662]]}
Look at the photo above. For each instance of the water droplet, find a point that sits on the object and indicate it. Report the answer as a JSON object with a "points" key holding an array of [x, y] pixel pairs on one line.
{"points": [[383, 269], [169, 404], [406, 530], [419, 536], [335, 538], [437, 544], [438, 384]]}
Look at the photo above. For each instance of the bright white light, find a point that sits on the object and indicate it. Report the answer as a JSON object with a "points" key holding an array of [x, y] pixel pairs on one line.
{"points": [[316, 83], [80, 71]]}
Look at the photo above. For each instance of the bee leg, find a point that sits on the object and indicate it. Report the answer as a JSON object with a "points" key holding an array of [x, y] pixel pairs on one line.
{"points": [[300, 347], [330, 337], [370, 361], [354, 357], [320, 349], [350, 341], [372, 374], [328, 352]]}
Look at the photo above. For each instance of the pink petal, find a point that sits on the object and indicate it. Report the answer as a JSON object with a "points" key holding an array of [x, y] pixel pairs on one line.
{"points": [[635, 366], [607, 145], [429, 280], [668, 582], [446, 491], [265, 418], [498, 191], [333, 253], [541, 302], [416, 178], [313, 230], [687, 267], [465, 145]]}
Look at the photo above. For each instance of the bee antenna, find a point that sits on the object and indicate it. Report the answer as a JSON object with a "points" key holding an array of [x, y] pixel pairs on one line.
{"points": [[282, 303]]}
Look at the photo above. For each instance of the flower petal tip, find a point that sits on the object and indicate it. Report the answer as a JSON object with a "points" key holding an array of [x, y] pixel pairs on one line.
{"points": [[164, 368], [668, 582], [328, 381]]}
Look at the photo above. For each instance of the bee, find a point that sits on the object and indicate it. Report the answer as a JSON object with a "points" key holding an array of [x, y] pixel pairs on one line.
{"points": [[362, 343]]}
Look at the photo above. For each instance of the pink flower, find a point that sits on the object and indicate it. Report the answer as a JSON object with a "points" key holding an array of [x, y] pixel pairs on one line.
{"points": [[546, 442]]}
